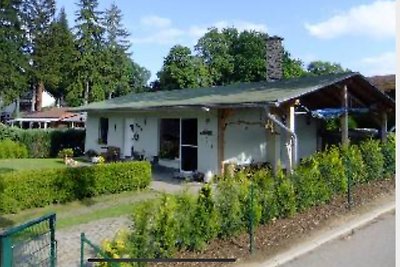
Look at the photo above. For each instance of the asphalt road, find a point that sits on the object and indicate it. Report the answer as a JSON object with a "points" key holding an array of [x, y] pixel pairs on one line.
{"points": [[370, 246]]}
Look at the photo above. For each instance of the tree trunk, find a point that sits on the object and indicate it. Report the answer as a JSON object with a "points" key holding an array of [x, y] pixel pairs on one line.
{"points": [[86, 94], [39, 96], [33, 103], [109, 95]]}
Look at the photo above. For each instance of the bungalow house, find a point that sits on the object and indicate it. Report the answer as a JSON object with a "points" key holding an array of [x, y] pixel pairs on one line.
{"points": [[275, 121]]}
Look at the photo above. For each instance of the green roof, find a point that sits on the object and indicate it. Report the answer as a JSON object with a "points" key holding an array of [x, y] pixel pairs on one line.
{"points": [[241, 93]]}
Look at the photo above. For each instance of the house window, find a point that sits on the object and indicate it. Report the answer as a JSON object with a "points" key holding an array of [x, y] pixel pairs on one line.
{"points": [[169, 138], [103, 131]]}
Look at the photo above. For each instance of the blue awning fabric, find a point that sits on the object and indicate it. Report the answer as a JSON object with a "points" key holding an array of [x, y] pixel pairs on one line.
{"points": [[332, 113]]}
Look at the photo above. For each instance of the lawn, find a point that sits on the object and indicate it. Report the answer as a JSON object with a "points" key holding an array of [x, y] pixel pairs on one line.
{"points": [[7, 165], [83, 211]]}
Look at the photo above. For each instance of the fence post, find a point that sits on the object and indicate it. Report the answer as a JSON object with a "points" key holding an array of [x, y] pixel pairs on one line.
{"points": [[53, 255], [6, 251], [82, 249], [251, 218]]}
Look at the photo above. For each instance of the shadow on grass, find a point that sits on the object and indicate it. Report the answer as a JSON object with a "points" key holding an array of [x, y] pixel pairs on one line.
{"points": [[5, 170], [88, 201], [4, 222]]}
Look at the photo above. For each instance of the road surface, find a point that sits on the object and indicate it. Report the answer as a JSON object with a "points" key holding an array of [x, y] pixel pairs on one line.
{"points": [[370, 246]]}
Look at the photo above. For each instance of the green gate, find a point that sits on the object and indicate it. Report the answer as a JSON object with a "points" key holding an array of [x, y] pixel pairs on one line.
{"points": [[30, 244]]}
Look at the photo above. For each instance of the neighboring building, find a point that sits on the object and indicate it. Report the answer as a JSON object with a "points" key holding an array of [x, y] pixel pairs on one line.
{"points": [[50, 118], [385, 83], [275, 121]]}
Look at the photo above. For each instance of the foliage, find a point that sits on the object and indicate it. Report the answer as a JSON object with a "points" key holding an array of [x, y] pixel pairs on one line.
{"points": [[65, 152], [13, 61], [230, 206], [334, 124], [91, 153], [117, 247], [45, 143], [38, 188], [353, 164], [265, 183], [182, 70], [373, 158], [285, 195], [324, 67], [12, 150], [205, 219], [389, 155]]}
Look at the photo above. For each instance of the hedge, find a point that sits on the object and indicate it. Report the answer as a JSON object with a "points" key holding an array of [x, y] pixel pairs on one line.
{"points": [[12, 150], [45, 143], [184, 221], [37, 188]]}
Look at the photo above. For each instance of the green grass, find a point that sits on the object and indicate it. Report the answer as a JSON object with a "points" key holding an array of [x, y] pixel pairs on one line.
{"points": [[7, 165], [83, 211]]}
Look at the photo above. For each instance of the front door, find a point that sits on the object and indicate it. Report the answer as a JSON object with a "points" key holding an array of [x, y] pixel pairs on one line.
{"points": [[189, 144]]}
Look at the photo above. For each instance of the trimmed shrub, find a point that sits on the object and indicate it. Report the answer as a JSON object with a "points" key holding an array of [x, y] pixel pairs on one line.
{"points": [[265, 184], [332, 171], [12, 150], [353, 164], [373, 159], [186, 204], [229, 201], [44, 143], [309, 187], [389, 155], [205, 220], [141, 238], [285, 195], [38, 188]]}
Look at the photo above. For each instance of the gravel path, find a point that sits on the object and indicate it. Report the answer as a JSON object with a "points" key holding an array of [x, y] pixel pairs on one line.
{"points": [[68, 240]]}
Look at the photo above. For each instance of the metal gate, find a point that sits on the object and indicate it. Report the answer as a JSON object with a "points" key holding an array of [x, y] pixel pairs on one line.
{"points": [[30, 244]]}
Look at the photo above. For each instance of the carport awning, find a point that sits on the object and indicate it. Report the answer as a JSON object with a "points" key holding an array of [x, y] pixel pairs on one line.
{"points": [[332, 113]]}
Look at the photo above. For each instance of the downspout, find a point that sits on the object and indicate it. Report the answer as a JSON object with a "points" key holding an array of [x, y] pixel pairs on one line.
{"points": [[293, 135]]}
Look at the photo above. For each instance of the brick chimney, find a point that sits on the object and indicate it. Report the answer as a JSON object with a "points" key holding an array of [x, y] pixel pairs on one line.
{"points": [[274, 56]]}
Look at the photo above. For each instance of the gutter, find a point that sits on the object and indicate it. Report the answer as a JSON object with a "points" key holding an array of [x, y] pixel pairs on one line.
{"points": [[292, 160]]}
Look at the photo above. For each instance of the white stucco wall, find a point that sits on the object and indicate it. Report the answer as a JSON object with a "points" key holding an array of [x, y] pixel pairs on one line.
{"points": [[245, 137], [92, 132], [307, 135]]}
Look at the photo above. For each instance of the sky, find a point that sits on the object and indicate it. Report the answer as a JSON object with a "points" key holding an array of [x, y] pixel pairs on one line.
{"points": [[358, 34]]}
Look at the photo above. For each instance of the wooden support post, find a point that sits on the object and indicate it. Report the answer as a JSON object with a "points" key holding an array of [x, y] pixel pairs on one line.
{"points": [[384, 127], [344, 120], [221, 140], [291, 126]]}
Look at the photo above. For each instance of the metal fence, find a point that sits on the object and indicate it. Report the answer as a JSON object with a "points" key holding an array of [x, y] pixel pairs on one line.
{"points": [[30, 244], [97, 251]]}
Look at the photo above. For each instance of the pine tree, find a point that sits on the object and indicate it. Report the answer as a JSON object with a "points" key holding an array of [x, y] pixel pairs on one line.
{"points": [[13, 61], [88, 82], [61, 46], [38, 16], [118, 64]]}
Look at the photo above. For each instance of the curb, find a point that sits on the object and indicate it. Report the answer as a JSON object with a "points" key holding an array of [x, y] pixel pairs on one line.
{"points": [[331, 234]]}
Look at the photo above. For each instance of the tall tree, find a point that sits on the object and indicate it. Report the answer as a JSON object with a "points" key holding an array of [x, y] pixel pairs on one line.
{"points": [[116, 53], [139, 76], [183, 70], [292, 67], [13, 61], [61, 48], [324, 67], [88, 83], [38, 16]]}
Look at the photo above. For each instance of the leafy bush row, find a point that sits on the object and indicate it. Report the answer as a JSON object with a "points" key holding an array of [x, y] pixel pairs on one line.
{"points": [[163, 226], [45, 143], [12, 150], [38, 188]]}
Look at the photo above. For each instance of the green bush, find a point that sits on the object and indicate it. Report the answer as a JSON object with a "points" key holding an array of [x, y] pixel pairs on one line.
{"points": [[204, 220], [389, 155], [353, 164], [264, 181], [373, 159], [12, 150], [285, 195], [65, 152], [332, 170], [230, 205], [186, 204], [141, 239], [44, 143], [38, 188]]}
